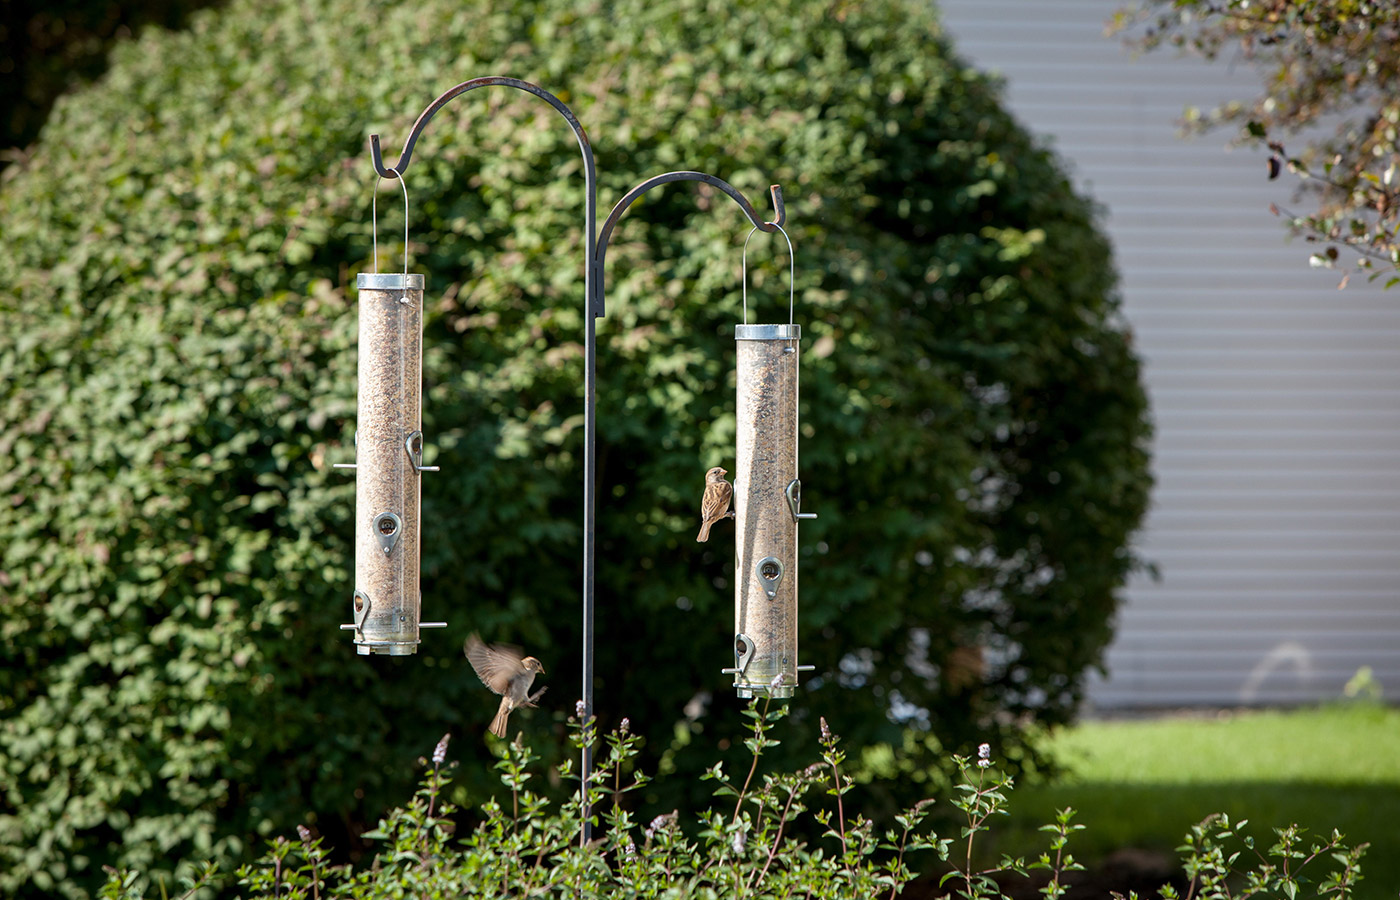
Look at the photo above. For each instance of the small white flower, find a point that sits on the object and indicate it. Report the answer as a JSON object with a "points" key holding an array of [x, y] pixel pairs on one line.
{"points": [[660, 822], [777, 680], [984, 755], [579, 709], [625, 725], [736, 843], [440, 751]]}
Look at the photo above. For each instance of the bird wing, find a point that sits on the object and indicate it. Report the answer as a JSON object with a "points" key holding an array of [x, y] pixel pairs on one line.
{"points": [[715, 501], [495, 664]]}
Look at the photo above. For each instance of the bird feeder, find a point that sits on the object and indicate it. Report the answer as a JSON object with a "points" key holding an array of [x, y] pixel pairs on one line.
{"points": [[389, 463], [767, 505]]}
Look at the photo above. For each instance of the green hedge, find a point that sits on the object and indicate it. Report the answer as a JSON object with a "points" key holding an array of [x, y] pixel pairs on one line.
{"points": [[51, 48], [177, 368]]}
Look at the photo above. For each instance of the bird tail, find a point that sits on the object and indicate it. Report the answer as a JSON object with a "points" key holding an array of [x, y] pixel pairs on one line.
{"points": [[498, 724], [704, 532]]}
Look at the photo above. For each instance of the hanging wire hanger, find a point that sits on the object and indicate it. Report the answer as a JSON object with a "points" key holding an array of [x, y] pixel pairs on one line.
{"points": [[791, 270], [374, 220]]}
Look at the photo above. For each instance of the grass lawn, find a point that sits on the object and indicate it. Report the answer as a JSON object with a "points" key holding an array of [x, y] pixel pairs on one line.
{"points": [[1143, 783]]}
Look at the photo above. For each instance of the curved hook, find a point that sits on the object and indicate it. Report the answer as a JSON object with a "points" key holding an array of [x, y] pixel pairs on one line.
{"points": [[776, 191], [594, 297], [407, 154], [605, 235]]}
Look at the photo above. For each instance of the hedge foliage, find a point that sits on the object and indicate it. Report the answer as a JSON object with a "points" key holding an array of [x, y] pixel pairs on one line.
{"points": [[51, 48], [177, 374]]}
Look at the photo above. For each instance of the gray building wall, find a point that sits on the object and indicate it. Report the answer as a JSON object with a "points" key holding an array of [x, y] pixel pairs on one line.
{"points": [[1276, 518]]}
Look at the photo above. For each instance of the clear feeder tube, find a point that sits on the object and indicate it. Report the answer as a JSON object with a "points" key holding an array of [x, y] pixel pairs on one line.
{"points": [[388, 464], [766, 497]]}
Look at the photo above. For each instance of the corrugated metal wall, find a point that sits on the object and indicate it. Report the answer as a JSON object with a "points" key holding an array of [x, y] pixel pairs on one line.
{"points": [[1276, 518]]}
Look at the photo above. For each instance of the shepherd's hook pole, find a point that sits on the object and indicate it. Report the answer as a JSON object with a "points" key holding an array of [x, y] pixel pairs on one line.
{"points": [[593, 310], [595, 248]]}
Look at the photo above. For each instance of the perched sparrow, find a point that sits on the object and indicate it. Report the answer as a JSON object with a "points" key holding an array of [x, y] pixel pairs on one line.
{"points": [[715, 504], [500, 668]]}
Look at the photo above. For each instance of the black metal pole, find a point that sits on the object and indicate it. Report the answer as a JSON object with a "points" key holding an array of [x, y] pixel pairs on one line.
{"points": [[594, 290]]}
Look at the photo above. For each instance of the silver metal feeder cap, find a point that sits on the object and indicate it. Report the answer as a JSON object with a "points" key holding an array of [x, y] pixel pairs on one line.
{"points": [[389, 281], [750, 691], [766, 332], [387, 648]]}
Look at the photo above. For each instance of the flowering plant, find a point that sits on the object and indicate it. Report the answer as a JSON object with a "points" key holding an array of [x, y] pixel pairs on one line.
{"points": [[746, 845]]}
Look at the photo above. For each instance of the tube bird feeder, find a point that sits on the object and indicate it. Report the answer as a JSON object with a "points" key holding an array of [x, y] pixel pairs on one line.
{"points": [[767, 507], [389, 465]]}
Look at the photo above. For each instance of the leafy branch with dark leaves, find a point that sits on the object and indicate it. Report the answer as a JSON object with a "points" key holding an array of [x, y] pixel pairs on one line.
{"points": [[1332, 63]]}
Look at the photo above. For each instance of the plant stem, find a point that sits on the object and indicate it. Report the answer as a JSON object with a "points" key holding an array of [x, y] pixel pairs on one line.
{"points": [[973, 825], [773, 851], [515, 794], [758, 751], [617, 786], [899, 863], [840, 810]]}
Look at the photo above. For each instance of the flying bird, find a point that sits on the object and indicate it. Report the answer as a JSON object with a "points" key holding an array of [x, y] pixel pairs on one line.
{"points": [[714, 505], [501, 668]]}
